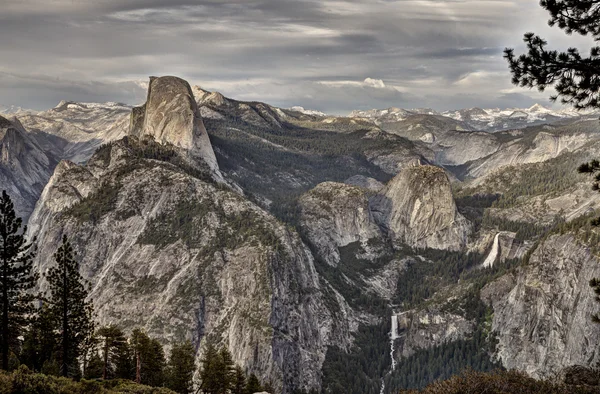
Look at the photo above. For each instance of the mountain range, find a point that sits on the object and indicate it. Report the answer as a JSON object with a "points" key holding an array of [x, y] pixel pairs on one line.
{"points": [[358, 254], [494, 119]]}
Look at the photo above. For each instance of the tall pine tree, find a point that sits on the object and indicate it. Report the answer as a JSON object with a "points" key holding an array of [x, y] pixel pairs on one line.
{"points": [[226, 370], [69, 306], [209, 370], [17, 278], [239, 381], [113, 346], [181, 368], [39, 345], [253, 385], [148, 358]]}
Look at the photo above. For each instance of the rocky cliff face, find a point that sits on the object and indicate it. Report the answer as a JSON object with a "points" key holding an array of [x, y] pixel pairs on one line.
{"points": [[73, 131], [168, 250], [542, 313], [417, 208], [171, 115], [24, 166], [335, 215], [423, 329]]}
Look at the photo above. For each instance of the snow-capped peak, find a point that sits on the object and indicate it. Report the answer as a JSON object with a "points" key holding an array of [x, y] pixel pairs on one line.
{"points": [[539, 109]]}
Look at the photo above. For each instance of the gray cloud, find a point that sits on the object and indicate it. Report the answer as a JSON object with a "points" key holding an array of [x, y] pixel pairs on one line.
{"points": [[434, 53]]}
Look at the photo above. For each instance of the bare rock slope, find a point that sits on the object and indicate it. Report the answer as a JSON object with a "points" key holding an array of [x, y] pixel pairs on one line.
{"points": [[417, 208], [24, 166], [169, 249], [542, 313], [171, 115]]}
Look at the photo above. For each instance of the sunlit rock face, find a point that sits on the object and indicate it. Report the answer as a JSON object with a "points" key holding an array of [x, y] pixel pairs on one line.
{"points": [[171, 115], [24, 166], [542, 313], [334, 215], [417, 208]]}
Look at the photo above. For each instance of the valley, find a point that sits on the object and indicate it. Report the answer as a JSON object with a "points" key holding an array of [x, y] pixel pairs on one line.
{"points": [[361, 254]]}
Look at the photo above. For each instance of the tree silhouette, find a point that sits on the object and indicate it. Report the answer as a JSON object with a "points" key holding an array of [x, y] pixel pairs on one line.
{"points": [[575, 78], [16, 277], [68, 304]]}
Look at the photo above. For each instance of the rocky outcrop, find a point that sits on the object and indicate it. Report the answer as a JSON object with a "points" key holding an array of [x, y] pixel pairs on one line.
{"points": [[504, 247], [24, 166], [542, 313], [73, 131], [335, 215], [365, 182], [414, 330], [171, 115], [417, 208], [167, 249]]}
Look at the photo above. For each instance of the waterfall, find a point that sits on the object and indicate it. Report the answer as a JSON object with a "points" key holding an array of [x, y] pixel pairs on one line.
{"points": [[491, 258], [393, 336]]}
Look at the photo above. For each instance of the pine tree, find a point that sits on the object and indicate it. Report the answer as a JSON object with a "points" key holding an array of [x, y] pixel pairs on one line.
{"points": [[89, 351], [68, 293], [39, 345], [574, 77], [154, 363], [148, 359], [181, 368], [253, 385], [17, 278], [239, 381], [209, 367], [226, 370], [113, 344], [94, 368]]}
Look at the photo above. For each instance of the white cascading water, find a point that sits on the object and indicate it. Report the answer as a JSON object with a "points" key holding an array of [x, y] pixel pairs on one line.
{"points": [[491, 258], [393, 336]]}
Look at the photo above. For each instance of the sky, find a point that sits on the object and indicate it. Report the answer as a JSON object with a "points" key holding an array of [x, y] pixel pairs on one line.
{"points": [[329, 55]]}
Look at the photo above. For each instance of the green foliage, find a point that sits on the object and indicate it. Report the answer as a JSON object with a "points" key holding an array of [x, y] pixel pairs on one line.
{"points": [[141, 152], [499, 382], [523, 230], [442, 362], [431, 271], [24, 381], [181, 368], [40, 341], [149, 355], [583, 228], [68, 304], [217, 372], [359, 371], [253, 385], [573, 77], [17, 278], [219, 375], [115, 352], [281, 163], [239, 381], [348, 278], [96, 204], [210, 382], [552, 177], [186, 219]]}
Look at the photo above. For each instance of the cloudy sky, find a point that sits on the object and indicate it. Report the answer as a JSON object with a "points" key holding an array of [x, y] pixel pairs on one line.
{"points": [[330, 55]]}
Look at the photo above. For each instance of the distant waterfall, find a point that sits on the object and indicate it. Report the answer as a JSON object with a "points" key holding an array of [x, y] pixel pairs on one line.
{"points": [[393, 336], [491, 258]]}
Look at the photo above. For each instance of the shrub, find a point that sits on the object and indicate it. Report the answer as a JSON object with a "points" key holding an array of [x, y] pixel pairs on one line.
{"points": [[498, 382]]}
